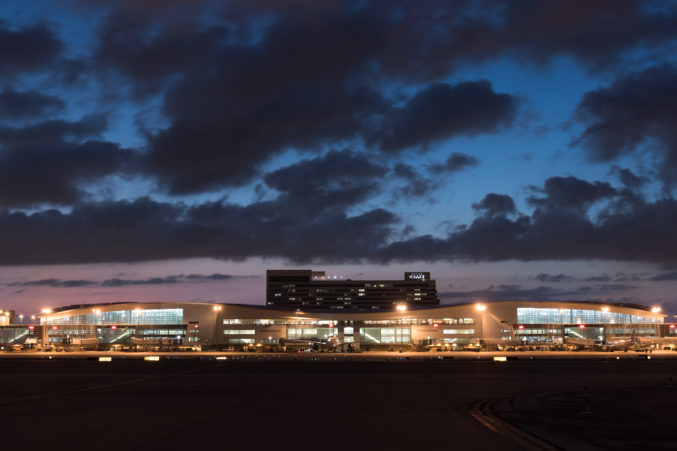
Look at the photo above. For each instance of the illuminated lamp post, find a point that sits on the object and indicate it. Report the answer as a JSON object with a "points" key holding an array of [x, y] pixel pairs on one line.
{"points": [[401, 308], [480, 308]]}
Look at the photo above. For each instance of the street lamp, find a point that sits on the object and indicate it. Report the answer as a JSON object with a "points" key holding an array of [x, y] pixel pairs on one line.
{"points": [[401, 308], [21, 317], [480, 308]]}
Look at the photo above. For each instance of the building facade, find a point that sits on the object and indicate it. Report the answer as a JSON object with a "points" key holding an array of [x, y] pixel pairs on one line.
{"points": [[312, 290], [236, 327]]}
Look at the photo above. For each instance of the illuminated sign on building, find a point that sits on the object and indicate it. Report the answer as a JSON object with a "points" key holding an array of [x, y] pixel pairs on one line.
{"points": [[422, 276]]}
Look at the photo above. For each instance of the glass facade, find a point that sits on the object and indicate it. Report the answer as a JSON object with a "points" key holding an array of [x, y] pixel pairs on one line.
{"points": [[14, 335], [315, 333], [458, 331], [385, 335], [140, 316], [528, 315]]}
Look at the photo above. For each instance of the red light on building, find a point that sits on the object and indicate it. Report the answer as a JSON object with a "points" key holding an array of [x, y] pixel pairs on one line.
{"points": [[113, 327], [31, 327], [54, 327], [196, 326], [672, 326], [435, 325], [581, 326], [521, 326]]}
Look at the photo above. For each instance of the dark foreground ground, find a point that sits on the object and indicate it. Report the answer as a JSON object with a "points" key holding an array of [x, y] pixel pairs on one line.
{"points": [[336, 405]]}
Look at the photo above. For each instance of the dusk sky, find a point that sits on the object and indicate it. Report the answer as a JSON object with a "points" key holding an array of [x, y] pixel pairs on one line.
{"points": [[176, 149]]}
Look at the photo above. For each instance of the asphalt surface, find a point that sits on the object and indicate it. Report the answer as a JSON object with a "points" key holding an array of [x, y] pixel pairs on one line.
{"points": [[257, 402]]}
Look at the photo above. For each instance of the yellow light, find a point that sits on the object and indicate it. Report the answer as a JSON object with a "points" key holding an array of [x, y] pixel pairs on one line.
{"points": [[152, 358], [655, 310], [217, 308], [46, 311], [480, 307], [105, 359], [401, 307], [500, 358], [605, 309], [221, 357]]}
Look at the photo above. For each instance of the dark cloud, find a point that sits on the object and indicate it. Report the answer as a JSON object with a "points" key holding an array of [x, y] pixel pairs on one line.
{"points": [[338, 178], [628, 178], [560, 228], [606, 288], [117, 282], [49, 162], [552, 278], [227, 115], [152, 281], [335, 65], [18, 105], [298, 227], [618, 277], [27, 49], [602, 278], [442, 111], [563, 193], [637, 111], [495, 205], [666, 276], [456, 162], [149, 230], [53, 283], [416, 184]]}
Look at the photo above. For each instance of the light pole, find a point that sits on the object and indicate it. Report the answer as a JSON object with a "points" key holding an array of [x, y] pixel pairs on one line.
{"points": [[480, 308], [21, 318], [401, 308]]}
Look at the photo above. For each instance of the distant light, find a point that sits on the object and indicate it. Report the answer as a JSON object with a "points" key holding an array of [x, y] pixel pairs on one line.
{"points": [[196, 326], [605, 309], [401, 307], [221, 357], [581, 326], [435, 325], [31, 327], [655, 310], [500, 358], [152, 358], [105, 359], [521, 326], [46, 311], [113, 326], [54, 328], [672, 326], [480, 307], [217, 308]]}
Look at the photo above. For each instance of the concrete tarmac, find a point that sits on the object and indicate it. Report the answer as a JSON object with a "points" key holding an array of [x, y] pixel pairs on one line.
{"points": [[249, 403]]}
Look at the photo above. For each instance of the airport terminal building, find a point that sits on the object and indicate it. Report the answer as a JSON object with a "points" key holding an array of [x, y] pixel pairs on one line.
{"points": [[170, 325]]}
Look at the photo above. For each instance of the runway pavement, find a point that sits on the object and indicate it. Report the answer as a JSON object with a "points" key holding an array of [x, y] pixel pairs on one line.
{"points": [[259, 402]]}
